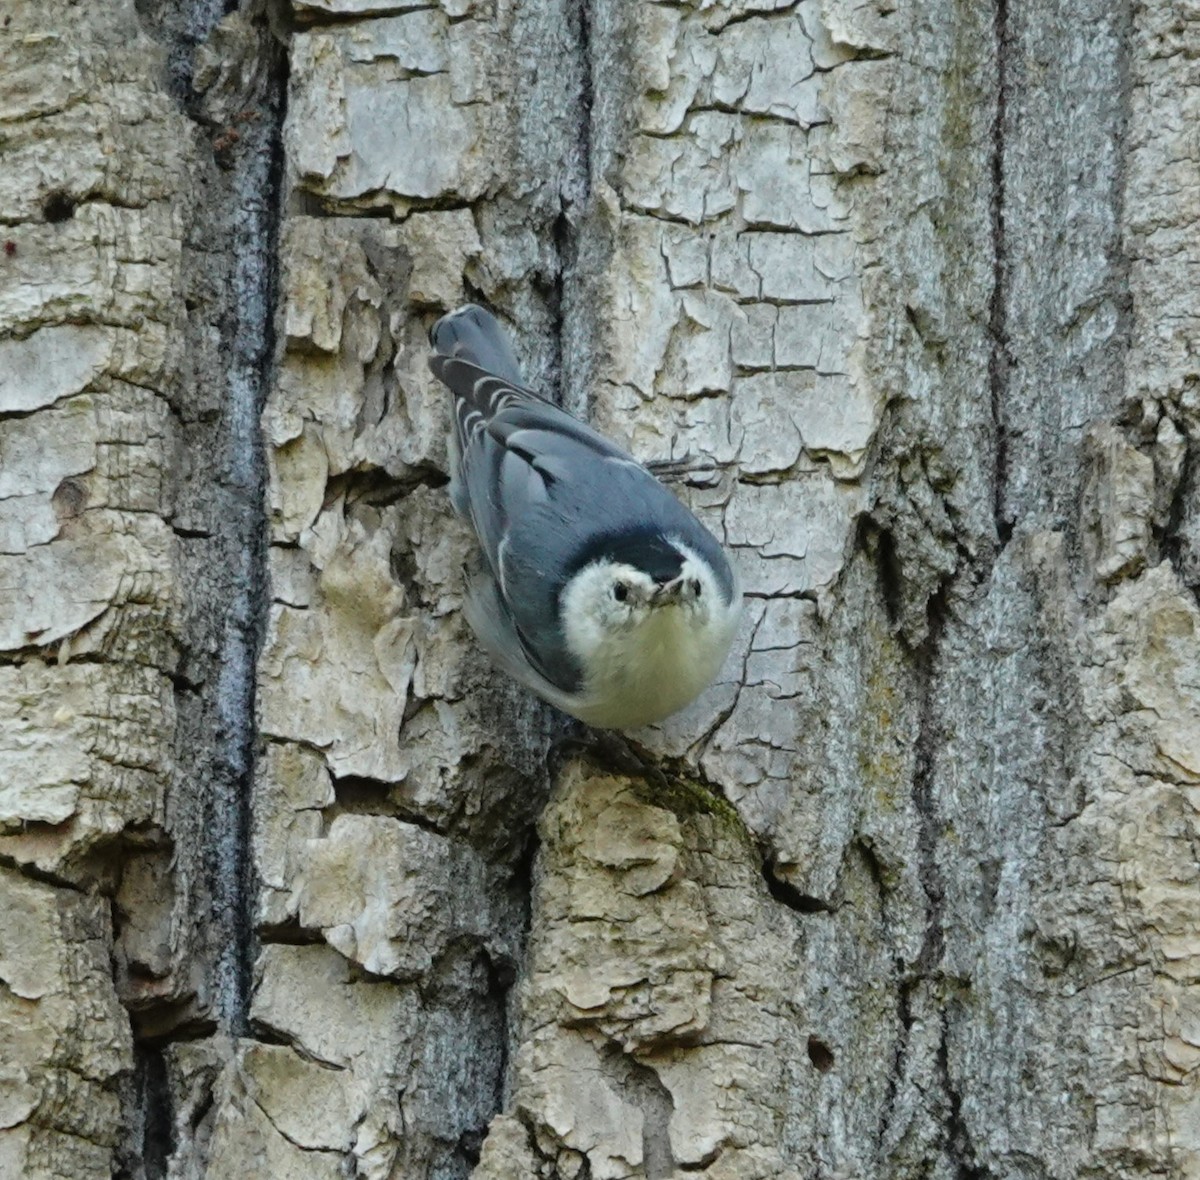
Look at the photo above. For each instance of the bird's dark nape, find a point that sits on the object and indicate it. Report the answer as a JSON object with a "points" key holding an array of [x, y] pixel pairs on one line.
{"points": [[475, 335], [647, 550]]}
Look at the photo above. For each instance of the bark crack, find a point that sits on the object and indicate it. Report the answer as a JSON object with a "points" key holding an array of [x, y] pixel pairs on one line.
{"points": [[147, 1151], [256, 190], [228, 279], [999, 362], [644, 1087], [958, 1137]]}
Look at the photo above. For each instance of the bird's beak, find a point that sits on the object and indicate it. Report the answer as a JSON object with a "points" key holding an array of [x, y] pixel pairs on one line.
{"points": [[668, 592]]}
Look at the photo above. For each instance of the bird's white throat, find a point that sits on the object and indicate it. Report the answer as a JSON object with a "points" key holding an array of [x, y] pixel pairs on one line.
{"points": [[646, 672]]}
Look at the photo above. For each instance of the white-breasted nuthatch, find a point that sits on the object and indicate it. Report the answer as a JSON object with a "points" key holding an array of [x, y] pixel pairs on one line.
{"points": [[600, 590]]}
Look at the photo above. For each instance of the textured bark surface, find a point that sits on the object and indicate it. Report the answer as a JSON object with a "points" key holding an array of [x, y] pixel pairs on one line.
{"points": [[292, 884]]}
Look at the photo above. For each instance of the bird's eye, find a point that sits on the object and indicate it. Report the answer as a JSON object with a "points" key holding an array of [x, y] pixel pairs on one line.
{"points": [[696, 587], [620, 591]]}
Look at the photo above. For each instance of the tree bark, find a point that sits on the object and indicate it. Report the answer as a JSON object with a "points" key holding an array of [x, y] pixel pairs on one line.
{"points": [[292, 883]]}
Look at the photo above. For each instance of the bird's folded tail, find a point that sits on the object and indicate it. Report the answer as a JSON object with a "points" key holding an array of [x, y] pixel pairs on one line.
{"points": [[473, 335]]}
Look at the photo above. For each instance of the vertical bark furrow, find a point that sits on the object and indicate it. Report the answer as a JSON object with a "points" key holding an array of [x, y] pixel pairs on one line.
{"points": [[999, 361], [229, 76], [248, 347]]}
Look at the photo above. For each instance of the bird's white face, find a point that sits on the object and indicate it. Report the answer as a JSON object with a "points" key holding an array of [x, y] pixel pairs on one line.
{"points": [[610, 609], [610, 598], [646, 648]]}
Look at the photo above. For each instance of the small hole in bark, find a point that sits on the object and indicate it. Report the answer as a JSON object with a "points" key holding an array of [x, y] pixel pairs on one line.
{"points": [[69, 499], [58, 207], [202, 1108], [784, 892], [820, 1054]]}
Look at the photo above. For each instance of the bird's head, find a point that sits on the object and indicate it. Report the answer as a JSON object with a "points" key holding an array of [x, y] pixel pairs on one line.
{"points": [[630, 582]]}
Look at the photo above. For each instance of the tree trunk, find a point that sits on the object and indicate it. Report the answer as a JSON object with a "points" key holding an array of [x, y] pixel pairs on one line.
{"points": [[293, 884]]}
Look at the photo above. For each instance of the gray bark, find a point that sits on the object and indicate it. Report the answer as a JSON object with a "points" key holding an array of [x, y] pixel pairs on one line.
{"points": [[293, 884]]}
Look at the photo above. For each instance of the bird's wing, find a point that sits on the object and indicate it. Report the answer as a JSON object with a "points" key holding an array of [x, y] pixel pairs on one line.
{"points": [[493, 624], [517, 452]]}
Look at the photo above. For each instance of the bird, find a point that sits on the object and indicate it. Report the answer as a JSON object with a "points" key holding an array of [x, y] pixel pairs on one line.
{"points": [[598, 589]]}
